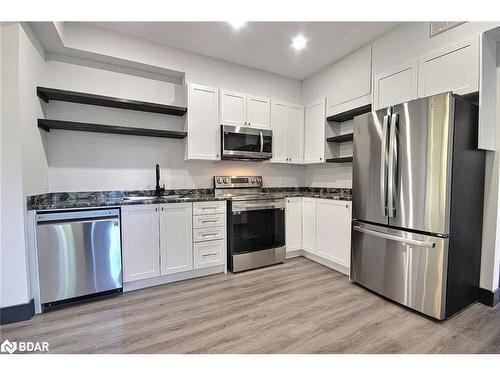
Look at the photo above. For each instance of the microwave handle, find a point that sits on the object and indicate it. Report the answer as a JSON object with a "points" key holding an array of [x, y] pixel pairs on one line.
{"points": [[261, 139]]}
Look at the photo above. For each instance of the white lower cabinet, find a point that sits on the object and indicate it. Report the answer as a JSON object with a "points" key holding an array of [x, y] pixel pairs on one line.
{"points": [[167, 239], [209, 234], [176, 237], [309, 224], [209, 253], [140, 242], [293, 224], [333, 230]]}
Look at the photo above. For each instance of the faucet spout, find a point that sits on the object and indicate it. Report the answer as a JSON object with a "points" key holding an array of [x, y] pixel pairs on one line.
{"points": [[158, 189]]}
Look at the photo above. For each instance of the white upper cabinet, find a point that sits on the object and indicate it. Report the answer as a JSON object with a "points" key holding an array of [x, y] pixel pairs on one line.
{"points": [[333, 231], [287, 124], [176, 237], [488, 93], [314, 132], [454, 68], [309, 224], [293, 223], [258, 112], [279, 119], [203, 141], [351, 81], [238, 109], [140, 242], [397, 85], [296, 134], [233, 108]]}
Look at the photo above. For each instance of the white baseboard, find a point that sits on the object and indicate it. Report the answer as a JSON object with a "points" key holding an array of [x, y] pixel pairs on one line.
{"points": [[154, 281], [318, 259]]}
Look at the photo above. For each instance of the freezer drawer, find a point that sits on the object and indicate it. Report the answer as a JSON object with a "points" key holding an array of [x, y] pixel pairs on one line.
{"points": [[406, 267]]}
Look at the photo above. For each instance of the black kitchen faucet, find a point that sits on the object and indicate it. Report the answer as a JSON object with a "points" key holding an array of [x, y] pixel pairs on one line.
{"points": [[158, 189]]}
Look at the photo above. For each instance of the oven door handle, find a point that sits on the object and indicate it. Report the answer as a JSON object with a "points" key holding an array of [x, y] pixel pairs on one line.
{"points": [[261, 140], [247, 206]]}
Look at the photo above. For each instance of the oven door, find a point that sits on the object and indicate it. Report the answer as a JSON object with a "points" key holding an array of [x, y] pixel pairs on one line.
{"points": [[257, 225], [239, 142]]}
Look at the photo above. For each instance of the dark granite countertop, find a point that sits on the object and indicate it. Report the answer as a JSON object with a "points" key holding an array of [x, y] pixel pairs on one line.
{"points": [[58, 201]]}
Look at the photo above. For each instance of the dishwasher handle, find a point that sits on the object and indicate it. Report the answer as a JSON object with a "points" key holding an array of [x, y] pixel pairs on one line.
{"points": [[79, 215]]}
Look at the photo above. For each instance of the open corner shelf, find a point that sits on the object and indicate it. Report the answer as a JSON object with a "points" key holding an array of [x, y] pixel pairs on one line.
{"points": [[343, 159], [341, 138], [98, 128], [47, 94], [349, 115]]}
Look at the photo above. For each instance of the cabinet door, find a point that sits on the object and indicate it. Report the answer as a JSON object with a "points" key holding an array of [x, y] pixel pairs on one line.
{"points": [[176, 237], [333, 231], [397, 85], [454, 68], [279, 118], [140, 242], [309, 224], [202, 123], [293, 224], [295, 134], [351, 79], [233, 108], [314, 133], [258, 112]]}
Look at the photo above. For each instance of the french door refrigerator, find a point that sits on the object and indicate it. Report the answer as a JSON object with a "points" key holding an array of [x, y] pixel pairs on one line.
{"points": [[417, 194]]}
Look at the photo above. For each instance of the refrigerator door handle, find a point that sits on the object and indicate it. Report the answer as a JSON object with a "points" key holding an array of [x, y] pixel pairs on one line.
{"points": [[392, 169], [383, 166], [395, 238]]}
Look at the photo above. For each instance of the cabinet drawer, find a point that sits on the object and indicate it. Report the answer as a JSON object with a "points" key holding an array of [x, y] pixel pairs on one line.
{"points": [[205, 221], [209, 253], [207, 234], [206, 208]]}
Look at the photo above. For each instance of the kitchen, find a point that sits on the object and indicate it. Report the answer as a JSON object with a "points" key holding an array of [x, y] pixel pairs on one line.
{"points": [[196, 202]]}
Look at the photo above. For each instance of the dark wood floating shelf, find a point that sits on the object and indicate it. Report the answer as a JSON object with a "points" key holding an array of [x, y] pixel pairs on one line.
{"points": [[340, 138], [349, 115], [344, 159], [98, 128], [47, 94]]}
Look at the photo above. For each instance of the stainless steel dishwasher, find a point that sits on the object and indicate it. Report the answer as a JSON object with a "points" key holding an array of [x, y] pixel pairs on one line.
{"points": [[79, 255]]}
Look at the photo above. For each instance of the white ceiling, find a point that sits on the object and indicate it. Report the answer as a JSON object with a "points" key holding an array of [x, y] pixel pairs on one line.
{"points": [[261, 45]]}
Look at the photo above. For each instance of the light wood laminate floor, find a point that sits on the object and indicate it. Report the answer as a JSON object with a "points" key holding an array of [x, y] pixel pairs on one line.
{"points": [[297, 307]]}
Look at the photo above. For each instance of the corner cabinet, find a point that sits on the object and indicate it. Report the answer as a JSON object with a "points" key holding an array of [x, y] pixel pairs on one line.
{"points": [[352, 77], [140, 242], [202, 123], [176, 237], [333, 230], [287, 124], [293, 224], [315, 132], [309, 225]]}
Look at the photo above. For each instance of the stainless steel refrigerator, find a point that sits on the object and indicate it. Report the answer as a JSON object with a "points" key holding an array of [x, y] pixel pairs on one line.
{"points": [[418, 181]]}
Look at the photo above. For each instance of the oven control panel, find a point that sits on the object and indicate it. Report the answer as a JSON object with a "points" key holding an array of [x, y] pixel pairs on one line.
{"points": [[237, 181]]}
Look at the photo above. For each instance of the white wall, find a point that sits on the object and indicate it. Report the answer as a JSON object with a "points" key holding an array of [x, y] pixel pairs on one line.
{"points": [[81, 161], [15, 77], [198, 68], [406, 42]]}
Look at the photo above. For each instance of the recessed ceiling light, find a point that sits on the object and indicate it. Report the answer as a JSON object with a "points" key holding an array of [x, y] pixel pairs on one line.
{"points": [[237, 24], [299, 42]]}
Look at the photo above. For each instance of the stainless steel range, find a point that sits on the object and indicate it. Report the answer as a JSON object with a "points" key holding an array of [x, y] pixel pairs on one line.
{"points": [[256, 223]]}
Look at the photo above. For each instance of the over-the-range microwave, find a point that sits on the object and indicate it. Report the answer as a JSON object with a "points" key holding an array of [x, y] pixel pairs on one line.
{"points": [[244, 143]]}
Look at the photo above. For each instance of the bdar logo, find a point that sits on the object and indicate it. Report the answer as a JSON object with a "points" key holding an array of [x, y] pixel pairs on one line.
{"points": [[9, 347]]}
